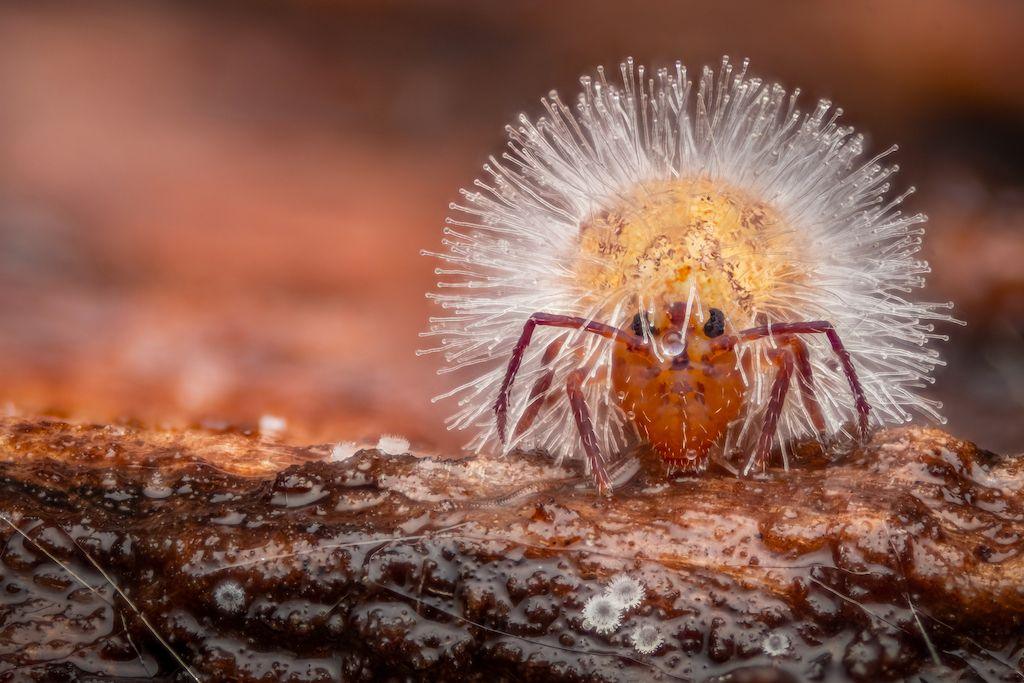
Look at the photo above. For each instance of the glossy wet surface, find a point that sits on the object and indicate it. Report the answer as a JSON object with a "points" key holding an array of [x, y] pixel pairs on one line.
{"points": [[254, 561]]}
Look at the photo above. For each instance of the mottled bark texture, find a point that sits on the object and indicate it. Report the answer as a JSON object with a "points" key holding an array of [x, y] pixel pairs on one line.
{"points": [[236, 559]]}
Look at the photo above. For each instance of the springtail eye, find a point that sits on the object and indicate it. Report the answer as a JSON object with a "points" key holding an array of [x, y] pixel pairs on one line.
{"points": [[715, 325], [638, 324]]}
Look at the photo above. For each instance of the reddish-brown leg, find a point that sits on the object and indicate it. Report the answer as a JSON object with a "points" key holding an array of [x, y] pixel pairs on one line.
{"points": [[552, 320], [574, 388], [805, 379], [780, 388], [811, 327], [540, 388]]}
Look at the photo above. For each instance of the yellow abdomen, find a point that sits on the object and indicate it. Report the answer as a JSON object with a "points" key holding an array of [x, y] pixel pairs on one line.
{"points": [[667, 237]]}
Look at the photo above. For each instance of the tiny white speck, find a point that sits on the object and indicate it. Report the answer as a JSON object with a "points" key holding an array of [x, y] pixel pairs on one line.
{"points": [[647, 639], [229, 597], [343, 450], [393, 445], [776, 644], [625, 591], [601, 615], [271, 425]]}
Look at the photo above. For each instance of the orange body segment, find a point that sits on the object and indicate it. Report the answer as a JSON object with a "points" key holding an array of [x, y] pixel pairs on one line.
{"points": [[681, 404]]}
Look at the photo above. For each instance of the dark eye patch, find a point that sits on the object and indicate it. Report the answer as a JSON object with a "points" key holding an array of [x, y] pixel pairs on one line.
{"points": [[638, 324], [715, 325]]}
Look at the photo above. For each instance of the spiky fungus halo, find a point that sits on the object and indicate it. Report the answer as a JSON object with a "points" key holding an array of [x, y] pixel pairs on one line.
{"points": [[729, 197]]}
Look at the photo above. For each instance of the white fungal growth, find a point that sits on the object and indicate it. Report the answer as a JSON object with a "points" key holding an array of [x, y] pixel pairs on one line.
{"points": [[647, 638], [601, 615], [776, 644], [842, 250], [393, 445], [343, 450], [229, 596], [625, 591]]}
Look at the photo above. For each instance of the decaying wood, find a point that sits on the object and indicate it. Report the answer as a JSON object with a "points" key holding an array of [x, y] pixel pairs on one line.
{"points": [[191, 555]]}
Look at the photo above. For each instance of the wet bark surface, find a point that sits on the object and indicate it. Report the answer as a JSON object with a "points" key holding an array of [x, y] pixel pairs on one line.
{"points": [[188, 555]]}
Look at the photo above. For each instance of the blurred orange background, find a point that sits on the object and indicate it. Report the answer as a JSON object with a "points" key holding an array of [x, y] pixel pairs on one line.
{"points": [[211, 212]]}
